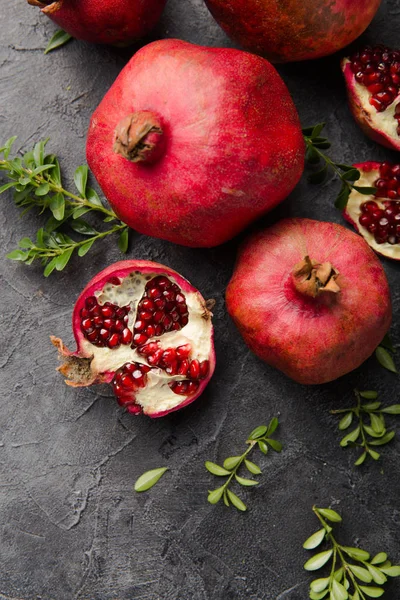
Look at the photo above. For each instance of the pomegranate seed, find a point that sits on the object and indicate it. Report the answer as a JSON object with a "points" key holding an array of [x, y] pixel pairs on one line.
{"points": [[158, 316], [169, 295], [154, 293], [159, 303], [134, 409], [169, 356], [145, 315], [194, 369], [114, 281], [183, 351], [150, 330], [159, 329], [98, 322], [84, 313], [139, 325], [108, 323], [96, 311], [385, 169], [104, 334], [392, 194], [179, 387], [183, 367], [154, 359], [119, 326], [139, 339], [376, 104], [375, 87], [167, 323], [148, 348], [162, 282], [113, 341], [184, 320], [126, 336], [204, 368], [108, 312], [87, 324], [147, 304], [172, 369], [90, 302], [92, 336], [127, 381]]}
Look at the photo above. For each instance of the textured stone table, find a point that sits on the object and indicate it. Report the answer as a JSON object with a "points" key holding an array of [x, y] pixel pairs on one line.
{"points": [[71, 525]]}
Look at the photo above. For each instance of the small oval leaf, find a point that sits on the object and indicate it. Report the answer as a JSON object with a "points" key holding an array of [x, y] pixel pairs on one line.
{"points": [[148, 479], [379, 558], [318, 585], [350, 437], [58, 39], [361, 459], [392, 410], [346, 421], [257, 432], [372, 592], [80, 179], [361, 573], [215, 469], [318, 561], [338, 591], [231, 462], [356, 553], [215, 495], [369, 394], [245, 482], [391, 571], [377, 575], [385, 359], [253, 468], [330, 514], [314, 540], [236, 501]]}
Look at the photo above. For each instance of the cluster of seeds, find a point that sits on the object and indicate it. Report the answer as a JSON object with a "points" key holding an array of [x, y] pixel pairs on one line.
{"points": [[384, 221], [378, 69], [105, 325], [163, 308], [127, 380], [176, 361]]}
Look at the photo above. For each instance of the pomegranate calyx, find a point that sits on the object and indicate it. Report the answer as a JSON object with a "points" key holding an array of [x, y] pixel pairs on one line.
{"points": [[313, 278], [139, 137], [48, 7], [76, 369]]}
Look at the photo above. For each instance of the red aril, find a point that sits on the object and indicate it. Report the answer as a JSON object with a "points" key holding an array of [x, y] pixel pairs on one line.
{"points": [[157, 359], [191, 144], [116, 22], [373, 86], [310, 299]]}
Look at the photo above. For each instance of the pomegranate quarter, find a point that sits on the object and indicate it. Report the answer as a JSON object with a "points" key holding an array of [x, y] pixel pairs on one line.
{"points": [[115, 22], [191, 144], [143, 328], [310, 299]]}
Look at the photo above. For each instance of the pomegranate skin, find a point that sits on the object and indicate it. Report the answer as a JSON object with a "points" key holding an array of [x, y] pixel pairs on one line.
{"points": [[115, 22], [292, 30], [233, 147], [313, 340], [77, 366]]}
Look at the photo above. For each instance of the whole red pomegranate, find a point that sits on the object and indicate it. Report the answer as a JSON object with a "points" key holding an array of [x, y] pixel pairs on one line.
{"points": [[292, 30], [146, 330], [116, 22], [309, 298], [377, 216], [191, 144], [373, 87]]}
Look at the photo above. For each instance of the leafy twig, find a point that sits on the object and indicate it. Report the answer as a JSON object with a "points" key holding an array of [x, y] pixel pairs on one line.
{"points": [[259, 436], [366, 435], [60, 38], [36, 181], [346, 580], [348, 174]]}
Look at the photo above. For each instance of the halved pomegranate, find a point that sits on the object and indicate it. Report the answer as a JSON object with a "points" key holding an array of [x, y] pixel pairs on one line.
{"points": [[377, 216], [146, 330], [373, 86]]}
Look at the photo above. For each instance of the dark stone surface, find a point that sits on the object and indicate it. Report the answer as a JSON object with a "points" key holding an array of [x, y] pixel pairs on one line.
{"points": [[71, 525]]}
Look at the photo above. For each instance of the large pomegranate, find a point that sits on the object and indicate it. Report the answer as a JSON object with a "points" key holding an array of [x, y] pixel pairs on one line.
{"points": [[373, 86], [116, 22], [146, 330], [377, 216], [310, 298], [293, 30], [191, 144]]}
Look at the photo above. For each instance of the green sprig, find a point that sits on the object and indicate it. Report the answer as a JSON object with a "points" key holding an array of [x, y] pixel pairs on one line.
{"points": [[348, 174], [35, 179], [259, 436], [354, 575], [367, 433]]}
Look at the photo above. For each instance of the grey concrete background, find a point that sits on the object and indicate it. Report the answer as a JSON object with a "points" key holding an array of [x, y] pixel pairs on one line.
{"points": [[71, 525]]}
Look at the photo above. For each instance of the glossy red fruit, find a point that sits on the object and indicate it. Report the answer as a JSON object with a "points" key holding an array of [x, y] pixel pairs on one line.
{"points": [[191, 144], [372, 78], [116, 22], [157, 373], [290, 30], [320, 308], [377, 216]]}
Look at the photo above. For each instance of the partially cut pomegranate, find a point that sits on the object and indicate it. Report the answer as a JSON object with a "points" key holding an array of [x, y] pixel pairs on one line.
{"points": [[373, 86], [310, 299], [146, 330], [377, 216], [115, 22]]}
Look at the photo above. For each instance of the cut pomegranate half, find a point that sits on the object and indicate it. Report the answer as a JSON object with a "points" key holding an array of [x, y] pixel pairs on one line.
{"points": [[373, 86], [146, 330], [377, 216]]}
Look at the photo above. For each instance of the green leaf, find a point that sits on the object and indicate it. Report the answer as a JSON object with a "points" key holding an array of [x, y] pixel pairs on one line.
{"points": [[312, 156], [376, 423], [371, 406], [123, 240], [258, 432], [387, 343], [275, 445], [361, 459], [356, 553], [338, 591], [57, 206], [231, 462], [84, 249], [226, 500], [346, 421], [82, 227], [317, 129], [236, 501], [272, 426], [330, 514], [385, 360], [17, 255], [25, 243], [391, 571], [373, 433], [93, 197], [318, 595], [50, 267], [350, 437], [394, 409], [373, 454], [384, 439], [351, 175], [42, 190], [63, 259], [307, 131], [369, 394], [263, 447], [148, 479], [8, 145], [342, 197], [56, 171], [253, 468], [364, 190], [58, 39], [379, 558], [319, 585], [216, 469], [246, 482], [361, 573], [318, 561], [41, 169], [215, 495], [315, 540], [377, 575], [356, 596], [7, 186], [38, 153], [372, 592], [80, 211], [80, 179]]}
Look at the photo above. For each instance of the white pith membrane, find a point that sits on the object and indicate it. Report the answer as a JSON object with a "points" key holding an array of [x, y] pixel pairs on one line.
{"points": [[353, 211], [383, 122], [156, 396]]}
